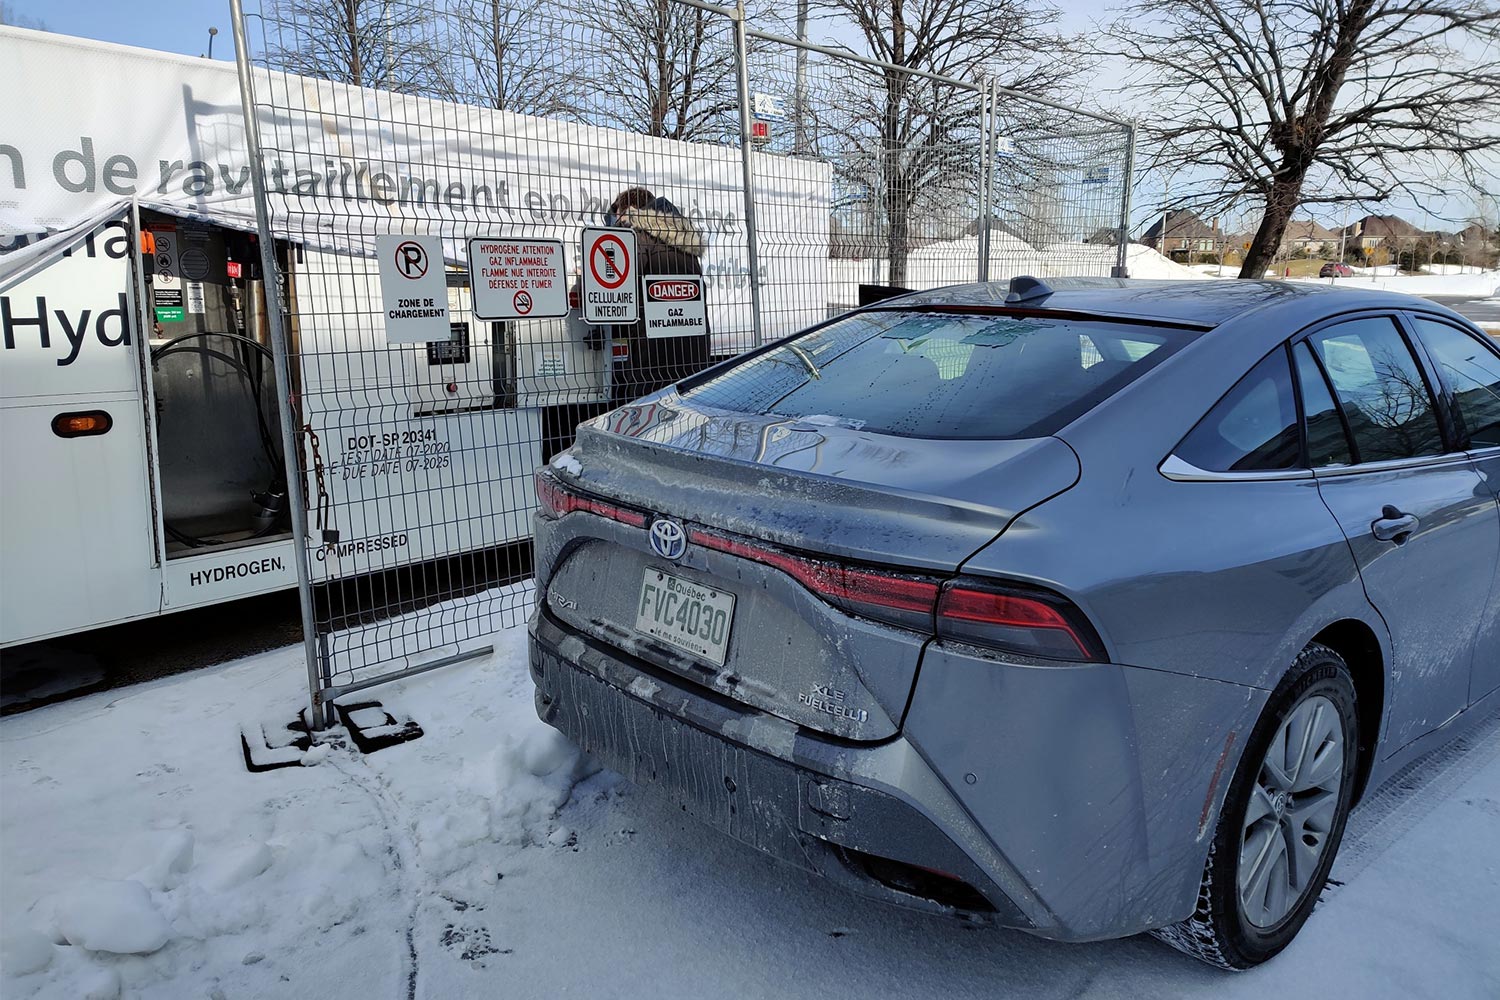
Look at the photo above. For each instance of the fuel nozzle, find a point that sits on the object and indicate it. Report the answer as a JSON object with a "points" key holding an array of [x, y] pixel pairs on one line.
{"points": [[269, 506]]}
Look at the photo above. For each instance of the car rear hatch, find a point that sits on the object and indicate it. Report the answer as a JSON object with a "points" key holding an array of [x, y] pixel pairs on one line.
{"points": [[786, 519]]}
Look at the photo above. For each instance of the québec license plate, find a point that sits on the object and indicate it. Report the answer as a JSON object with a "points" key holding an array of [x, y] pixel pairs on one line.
{"points": [[688, 615]]}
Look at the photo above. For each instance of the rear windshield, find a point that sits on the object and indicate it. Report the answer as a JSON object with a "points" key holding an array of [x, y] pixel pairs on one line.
{"points": [[942, 375]]}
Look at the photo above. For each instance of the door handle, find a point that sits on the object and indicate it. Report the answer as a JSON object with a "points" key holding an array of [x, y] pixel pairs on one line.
{"points": [[1394, 526]]}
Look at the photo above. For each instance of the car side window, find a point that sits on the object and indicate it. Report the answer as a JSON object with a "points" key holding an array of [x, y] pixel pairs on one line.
{"points": [[1380, 389], [1472, 371], [1327, 444], [1253, 428]]}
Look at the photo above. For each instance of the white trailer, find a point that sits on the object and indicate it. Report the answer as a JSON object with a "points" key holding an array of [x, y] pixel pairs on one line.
{"points": [[143, 473], [139, 440]]}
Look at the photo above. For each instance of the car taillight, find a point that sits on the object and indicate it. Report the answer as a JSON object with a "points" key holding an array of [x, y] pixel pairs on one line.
{"points": [[557, 500], [893, 597], [1014, 619], [1035, 623]]}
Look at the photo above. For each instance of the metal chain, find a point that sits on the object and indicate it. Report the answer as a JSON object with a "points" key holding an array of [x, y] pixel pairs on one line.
{"points": [[324, 503]]}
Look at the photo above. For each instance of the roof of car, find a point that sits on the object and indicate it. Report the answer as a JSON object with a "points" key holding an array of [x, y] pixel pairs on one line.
{"points": [[1187, 302]]}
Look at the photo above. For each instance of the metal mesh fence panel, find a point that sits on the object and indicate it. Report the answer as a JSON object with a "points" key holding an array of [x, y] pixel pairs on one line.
{"points": [[500, 131], [904, 161], [1060, 186], [429, 171], [918, 165]]}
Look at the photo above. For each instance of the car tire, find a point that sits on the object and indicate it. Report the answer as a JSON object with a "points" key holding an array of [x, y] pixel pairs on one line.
{"points": [[1282, 820]]}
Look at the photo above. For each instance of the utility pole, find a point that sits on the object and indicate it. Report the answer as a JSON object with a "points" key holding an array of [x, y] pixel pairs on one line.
{"points": [[1219, 242], [1166, 202], [799, 100], [211, 33]]}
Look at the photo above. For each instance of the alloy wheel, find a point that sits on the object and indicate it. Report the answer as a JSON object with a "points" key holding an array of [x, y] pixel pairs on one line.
{"points": [[1292, 809]]}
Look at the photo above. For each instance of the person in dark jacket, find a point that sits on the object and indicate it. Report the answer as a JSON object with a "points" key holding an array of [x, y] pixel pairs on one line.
{"points": [[666, 243]]}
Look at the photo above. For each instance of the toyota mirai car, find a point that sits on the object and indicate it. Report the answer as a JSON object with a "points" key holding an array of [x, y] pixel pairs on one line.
{"points": [[1087, 608]]}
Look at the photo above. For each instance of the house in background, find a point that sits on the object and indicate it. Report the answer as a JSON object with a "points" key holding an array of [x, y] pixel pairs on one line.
{"points": [[1181, 233], [1310, 238], [1381, 231], [1476, 245]]}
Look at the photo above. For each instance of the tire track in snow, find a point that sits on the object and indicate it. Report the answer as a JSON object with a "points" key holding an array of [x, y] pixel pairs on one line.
{"points": [[351, 765], [1388, 812]]}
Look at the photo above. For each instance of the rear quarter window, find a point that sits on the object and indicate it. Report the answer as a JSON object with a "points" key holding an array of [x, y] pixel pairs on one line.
{"points": [[942, 375], [1253, 428]]}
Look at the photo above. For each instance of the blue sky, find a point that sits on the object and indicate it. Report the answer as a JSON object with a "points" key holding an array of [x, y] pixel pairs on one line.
{"points": [[174, 25], [182, 26]]}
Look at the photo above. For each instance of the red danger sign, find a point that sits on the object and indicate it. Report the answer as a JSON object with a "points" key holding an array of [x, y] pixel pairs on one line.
{"points": [[673, 291], [522, 302], [675, 306], [610, 293]]}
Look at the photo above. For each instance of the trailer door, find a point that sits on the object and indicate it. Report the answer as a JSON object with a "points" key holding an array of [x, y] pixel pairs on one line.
{"points": [[75, 495]]}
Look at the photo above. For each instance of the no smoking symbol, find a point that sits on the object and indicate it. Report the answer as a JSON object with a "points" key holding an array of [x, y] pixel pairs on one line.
{"points": [[522, 302], [609, 261]]}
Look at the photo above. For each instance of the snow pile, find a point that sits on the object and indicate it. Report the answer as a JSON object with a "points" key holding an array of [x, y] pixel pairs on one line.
{"points": [[113, 916], [23, 950], [1470, 285], [1452, 269], [1145, 262], [488, 859]]}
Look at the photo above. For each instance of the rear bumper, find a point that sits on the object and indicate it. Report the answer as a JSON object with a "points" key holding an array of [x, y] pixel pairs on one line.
{"points": [[875, 818]]}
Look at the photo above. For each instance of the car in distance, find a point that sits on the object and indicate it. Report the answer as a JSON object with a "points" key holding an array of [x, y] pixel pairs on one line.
{"points": [[1089, 608], [1335, 269]]}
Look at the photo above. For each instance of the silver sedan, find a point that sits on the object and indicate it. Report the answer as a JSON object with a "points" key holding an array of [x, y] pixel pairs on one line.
{"points": [[1087, 608]]}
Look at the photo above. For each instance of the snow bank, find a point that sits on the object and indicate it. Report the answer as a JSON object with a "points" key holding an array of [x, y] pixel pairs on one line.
{"points": [[1470, 285], [1145, 262], [1452, 269]]}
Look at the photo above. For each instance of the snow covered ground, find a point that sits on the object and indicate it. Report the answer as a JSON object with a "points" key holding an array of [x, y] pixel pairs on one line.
{"points": [[486, 860], [1470, 284]]}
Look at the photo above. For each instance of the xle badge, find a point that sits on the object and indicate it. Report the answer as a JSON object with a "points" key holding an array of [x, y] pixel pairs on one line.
{"points": [[829, 700]]}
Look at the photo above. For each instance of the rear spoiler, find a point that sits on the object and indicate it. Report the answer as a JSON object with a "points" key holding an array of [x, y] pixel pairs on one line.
{"points": [[871, 294]]}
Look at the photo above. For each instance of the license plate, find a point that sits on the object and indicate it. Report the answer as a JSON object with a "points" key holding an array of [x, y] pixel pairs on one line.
{"points": [[684, 614]]}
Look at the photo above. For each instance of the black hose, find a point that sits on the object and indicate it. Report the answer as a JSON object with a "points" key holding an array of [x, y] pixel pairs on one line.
{"points": [[247, 349], [262, 348]]}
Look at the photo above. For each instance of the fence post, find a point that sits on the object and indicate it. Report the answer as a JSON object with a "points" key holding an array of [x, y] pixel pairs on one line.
{"points": [[281, 359], [752, 249], [1122, 262], [986, 173]]}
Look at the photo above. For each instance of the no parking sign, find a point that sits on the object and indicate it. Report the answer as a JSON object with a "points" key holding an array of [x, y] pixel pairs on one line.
{"points": [[609, 285]]}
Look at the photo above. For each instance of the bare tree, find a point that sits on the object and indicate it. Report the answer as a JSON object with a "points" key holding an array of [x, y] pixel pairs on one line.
{"points": [[666, 69], [503, 55], [8, 15], [925, 131], [388, 44], [1284, 103]]}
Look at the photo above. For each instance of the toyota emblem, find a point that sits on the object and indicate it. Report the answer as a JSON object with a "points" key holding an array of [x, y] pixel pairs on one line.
{"points": [[668, 540]]}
